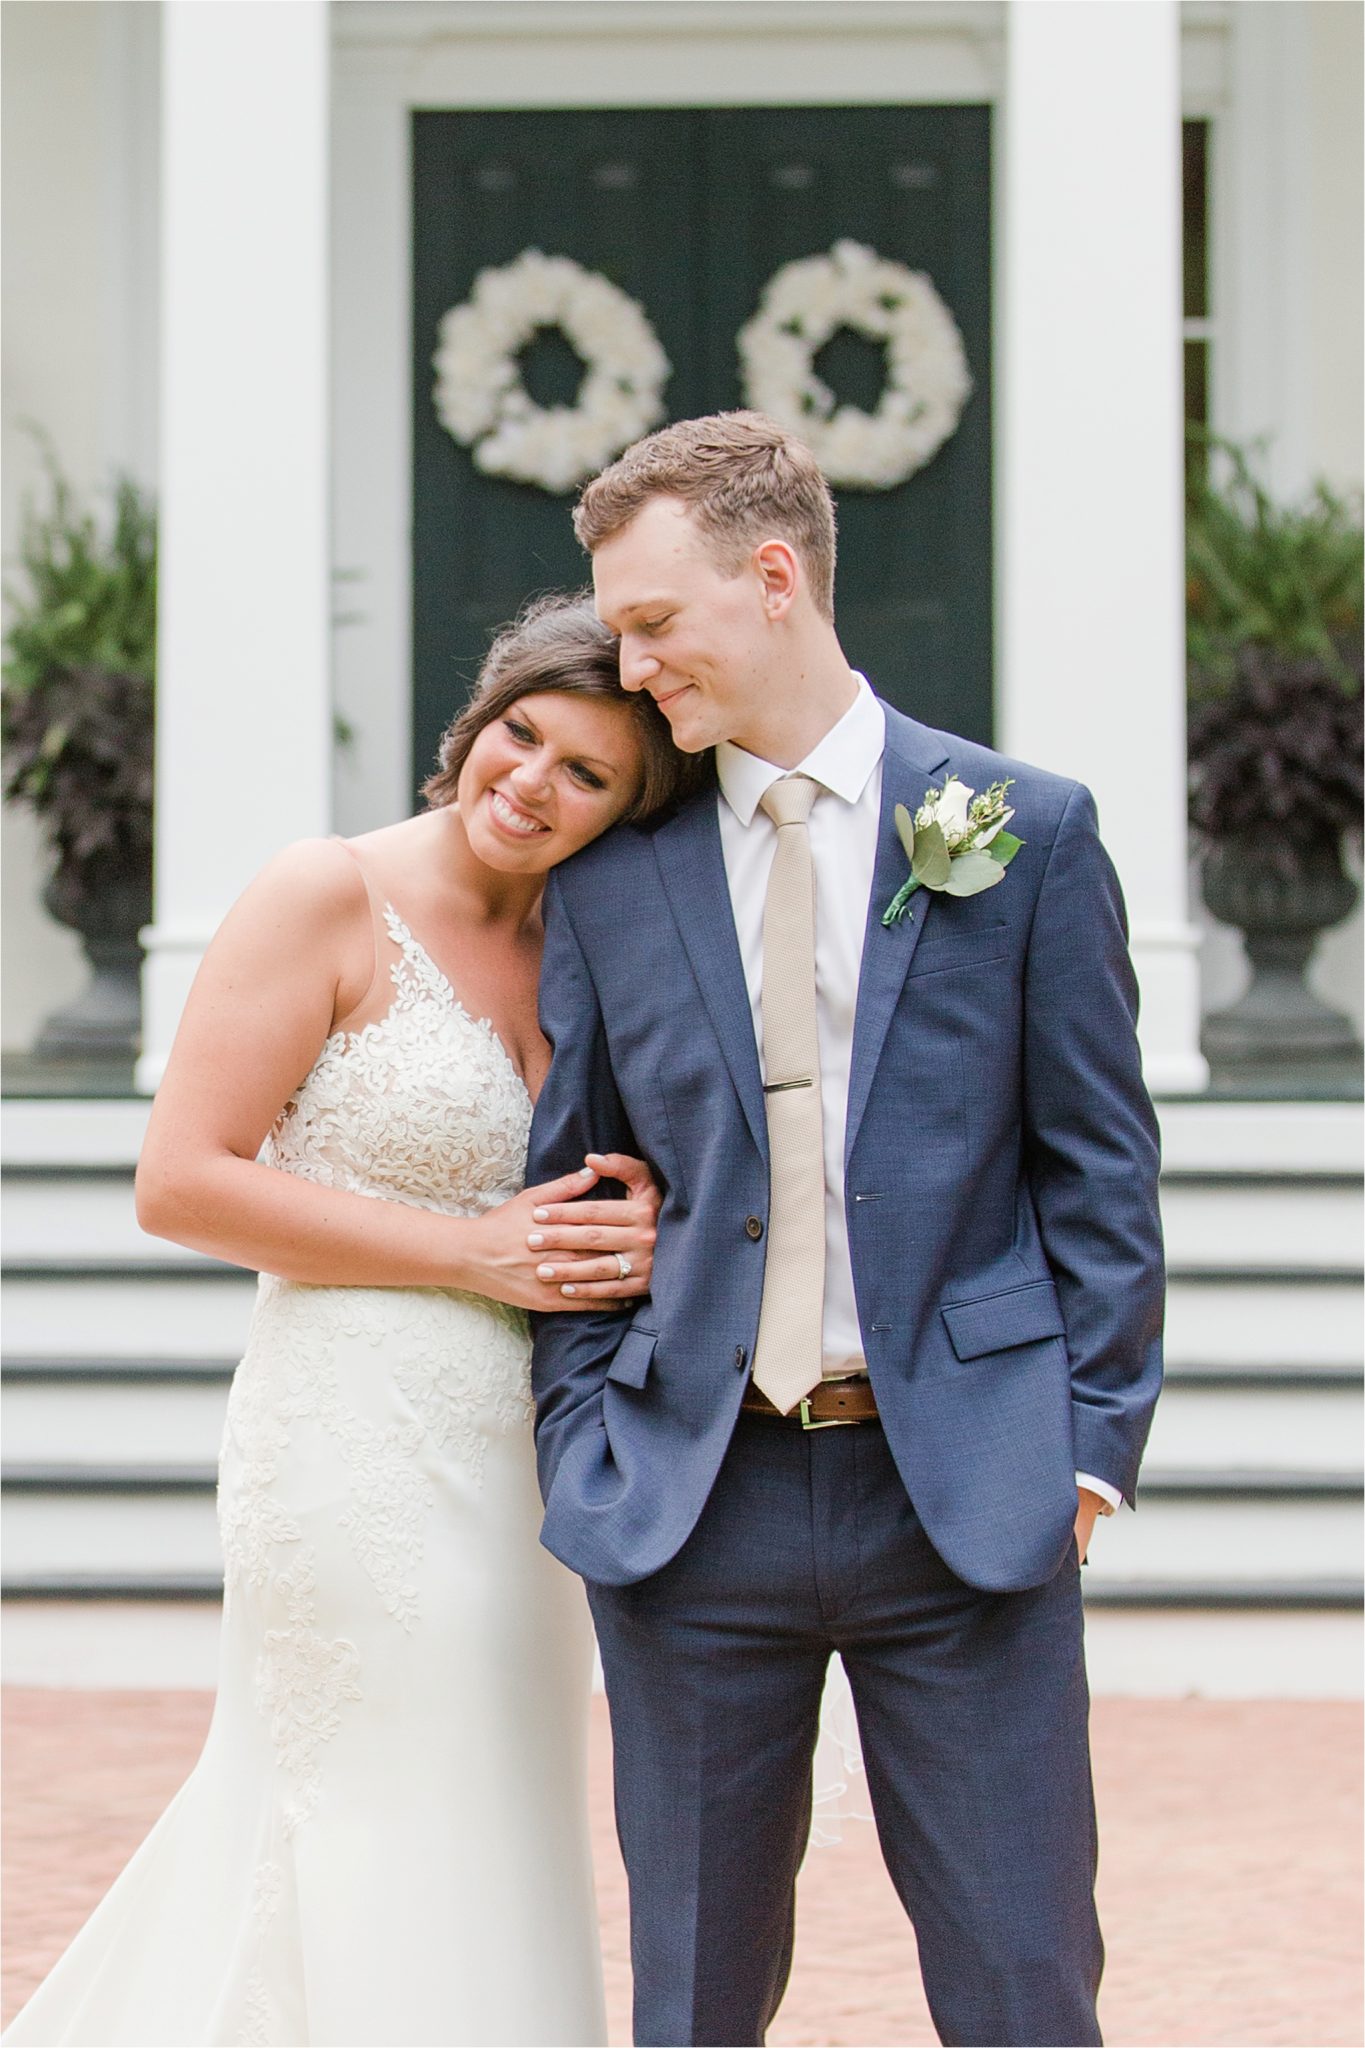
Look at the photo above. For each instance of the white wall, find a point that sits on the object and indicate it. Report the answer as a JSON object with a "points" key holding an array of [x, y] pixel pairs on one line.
{"points": [[78, 278]]}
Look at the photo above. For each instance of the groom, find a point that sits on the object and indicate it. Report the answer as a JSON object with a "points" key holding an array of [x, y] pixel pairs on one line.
{"points": [[903, 1342]]}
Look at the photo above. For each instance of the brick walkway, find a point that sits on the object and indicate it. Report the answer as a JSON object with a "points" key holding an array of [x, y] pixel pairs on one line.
{"points": [[1230, 1887]]}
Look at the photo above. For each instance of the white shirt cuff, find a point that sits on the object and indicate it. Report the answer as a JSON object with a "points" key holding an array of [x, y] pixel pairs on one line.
{"points": [[1107, 1493]]}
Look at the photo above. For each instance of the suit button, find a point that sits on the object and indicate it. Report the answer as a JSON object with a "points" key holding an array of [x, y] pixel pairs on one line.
{"points": [[741, 1358], [753, 1227]]}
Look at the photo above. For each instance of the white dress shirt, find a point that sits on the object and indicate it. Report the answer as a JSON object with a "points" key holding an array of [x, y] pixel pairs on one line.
{"points": [[847, 764], [844, 822]]}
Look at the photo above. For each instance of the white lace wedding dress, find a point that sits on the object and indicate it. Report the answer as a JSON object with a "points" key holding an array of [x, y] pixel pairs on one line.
{"points": [[384, 1841]]}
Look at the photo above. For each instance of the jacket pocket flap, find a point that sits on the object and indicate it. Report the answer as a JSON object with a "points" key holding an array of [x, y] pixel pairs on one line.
{"points": [[943, 946], [634, 1355], [1022, 1315]]}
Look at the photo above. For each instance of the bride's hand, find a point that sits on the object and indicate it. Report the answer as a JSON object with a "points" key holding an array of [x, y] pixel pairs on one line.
{"points": [[546, 1248], [583, 1239]]}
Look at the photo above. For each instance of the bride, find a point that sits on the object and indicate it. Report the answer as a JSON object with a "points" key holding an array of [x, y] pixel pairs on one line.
{"points": [[384, 1840]]}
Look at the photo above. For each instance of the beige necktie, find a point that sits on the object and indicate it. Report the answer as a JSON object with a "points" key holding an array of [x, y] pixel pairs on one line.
{"points": [[787, 1355]]}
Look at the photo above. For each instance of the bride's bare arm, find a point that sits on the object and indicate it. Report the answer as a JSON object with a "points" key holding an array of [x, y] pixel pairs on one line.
{"points": [[294, 954]]}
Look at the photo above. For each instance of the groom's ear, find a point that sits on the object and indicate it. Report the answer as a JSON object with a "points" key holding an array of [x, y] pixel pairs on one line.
{"points": [[779, 573]]}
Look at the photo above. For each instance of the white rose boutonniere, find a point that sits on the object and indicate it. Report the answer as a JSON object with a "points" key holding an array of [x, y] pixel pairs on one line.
{"points": [[956, 843]]}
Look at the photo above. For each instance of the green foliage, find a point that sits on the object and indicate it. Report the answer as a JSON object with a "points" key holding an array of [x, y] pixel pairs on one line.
{"points": [[91, 599], [972, 872], [1275, 600], [963, 868], [931, 860], [1275, 760], [1287, 578], [76, 705]]}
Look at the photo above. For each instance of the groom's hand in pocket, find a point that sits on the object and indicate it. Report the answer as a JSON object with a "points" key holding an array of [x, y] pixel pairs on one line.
{"points": [[1089, 1506], [590, 1252]]}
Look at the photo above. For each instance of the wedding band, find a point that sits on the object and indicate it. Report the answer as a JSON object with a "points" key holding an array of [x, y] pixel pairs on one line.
{"points": [[624, 1263]]}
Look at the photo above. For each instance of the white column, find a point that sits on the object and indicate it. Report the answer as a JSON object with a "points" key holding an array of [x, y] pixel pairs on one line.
{"points": [[243, 713], [1263, 233], [1091, 629]]}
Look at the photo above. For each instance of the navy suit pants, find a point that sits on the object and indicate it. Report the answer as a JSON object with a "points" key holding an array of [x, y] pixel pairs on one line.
{"points": [[972, 1709]]}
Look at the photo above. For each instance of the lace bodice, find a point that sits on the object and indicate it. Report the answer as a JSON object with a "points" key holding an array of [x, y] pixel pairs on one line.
{"points": [[422, 1106]]}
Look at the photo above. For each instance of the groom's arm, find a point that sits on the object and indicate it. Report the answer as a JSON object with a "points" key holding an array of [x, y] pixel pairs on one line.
{"points": [[579, 1110], [1091, 1148]]}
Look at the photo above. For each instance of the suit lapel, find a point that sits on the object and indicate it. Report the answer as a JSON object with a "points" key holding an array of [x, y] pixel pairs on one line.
{"points": [[692, 871], [913, 759]]}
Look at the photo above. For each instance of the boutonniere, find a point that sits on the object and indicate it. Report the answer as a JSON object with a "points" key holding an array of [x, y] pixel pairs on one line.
{"points": [[956, 843]]}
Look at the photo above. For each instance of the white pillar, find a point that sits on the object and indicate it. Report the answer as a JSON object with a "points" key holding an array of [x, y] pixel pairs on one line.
{"points": [[1091, 409], [243, 714]]}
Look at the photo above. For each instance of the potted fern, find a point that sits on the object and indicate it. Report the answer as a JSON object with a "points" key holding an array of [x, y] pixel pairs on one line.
{"points": [[76, 711], [1274, 617]]}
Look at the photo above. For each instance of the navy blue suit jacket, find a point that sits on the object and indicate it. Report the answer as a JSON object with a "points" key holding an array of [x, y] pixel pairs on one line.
{"points": [[1001, 1171]]}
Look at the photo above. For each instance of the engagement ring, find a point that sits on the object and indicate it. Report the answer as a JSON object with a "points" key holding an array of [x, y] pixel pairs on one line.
{"points": [[624, 1263]]}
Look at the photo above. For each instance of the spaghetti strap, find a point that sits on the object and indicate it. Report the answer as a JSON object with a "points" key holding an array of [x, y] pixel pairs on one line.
{"points": [[391, 931]]}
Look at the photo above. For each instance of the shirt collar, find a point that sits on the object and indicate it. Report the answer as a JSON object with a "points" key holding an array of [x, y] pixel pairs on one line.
{"points": [[842, 762]]}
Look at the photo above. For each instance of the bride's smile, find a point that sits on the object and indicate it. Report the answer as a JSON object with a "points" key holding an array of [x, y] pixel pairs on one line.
{"points": [[506, 813], [548, 776]]}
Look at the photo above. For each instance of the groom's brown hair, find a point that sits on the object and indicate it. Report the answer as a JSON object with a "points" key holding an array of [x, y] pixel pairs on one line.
{"points": [[743, 478]]}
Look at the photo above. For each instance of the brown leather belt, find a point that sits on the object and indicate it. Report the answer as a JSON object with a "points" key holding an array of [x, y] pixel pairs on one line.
{"points": [[833, 1402]]}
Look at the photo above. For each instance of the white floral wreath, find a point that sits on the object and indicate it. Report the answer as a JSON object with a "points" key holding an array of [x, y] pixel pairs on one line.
{"points": [[479, 393], [927, 380]]}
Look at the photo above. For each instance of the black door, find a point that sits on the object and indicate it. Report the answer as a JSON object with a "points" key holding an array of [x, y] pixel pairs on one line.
{"points": [[690, 213]]}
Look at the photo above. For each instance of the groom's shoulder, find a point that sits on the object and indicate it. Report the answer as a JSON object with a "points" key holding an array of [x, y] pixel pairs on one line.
{"points": [[1045, 792], [613, 859]]}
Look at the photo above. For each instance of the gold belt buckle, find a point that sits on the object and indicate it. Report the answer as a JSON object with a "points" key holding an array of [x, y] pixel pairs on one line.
{"points": [[835, 1421]]}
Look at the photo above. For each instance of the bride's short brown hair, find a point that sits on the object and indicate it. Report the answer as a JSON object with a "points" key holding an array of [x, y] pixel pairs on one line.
{"points": [[743, 478], [559, 643]]}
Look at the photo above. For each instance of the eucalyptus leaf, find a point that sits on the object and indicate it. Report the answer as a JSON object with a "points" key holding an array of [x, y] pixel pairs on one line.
{"points": [[931, 861], [905, 830], [971, 873], [1003, 848]]}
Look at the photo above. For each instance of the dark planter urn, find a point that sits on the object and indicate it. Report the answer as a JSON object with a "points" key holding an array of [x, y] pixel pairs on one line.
{"points": [[108, 903], [1279, 1030]]}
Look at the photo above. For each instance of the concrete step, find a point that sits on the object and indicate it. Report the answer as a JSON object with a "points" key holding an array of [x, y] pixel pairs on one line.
{"points": [[1244, 1220], [1159, 1653], [1237, 1220], [62, 1527], [171, 1411], [1266, 1318], [1262, 1137], [1204, 1136], [161, 1645], [1286, 1535], [71, 1411], [81, 1214], [182, 1309], [81, 1133], [1306, 1421], [186, 1306], [1196, 1532], [1221, 1653]]}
